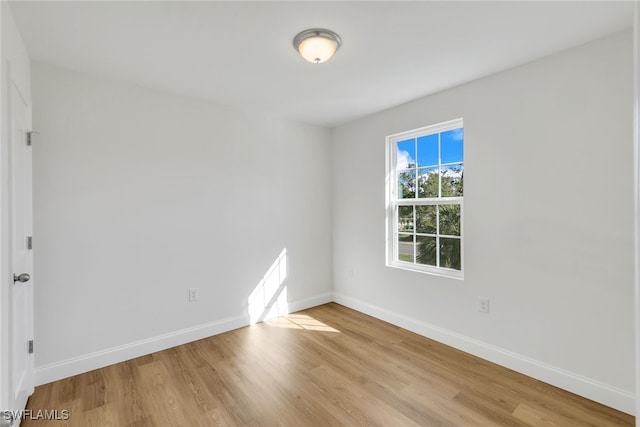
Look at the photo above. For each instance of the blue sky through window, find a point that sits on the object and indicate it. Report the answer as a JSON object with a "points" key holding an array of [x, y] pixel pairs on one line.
{"points": [[451, 143], [451, 149], [428, 150], [406, 154]]}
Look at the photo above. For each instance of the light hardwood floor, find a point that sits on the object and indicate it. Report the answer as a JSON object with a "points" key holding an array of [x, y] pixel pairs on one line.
{"points": [[326, 366]]}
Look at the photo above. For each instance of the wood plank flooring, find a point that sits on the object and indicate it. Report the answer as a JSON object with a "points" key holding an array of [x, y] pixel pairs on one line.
{"points": [[326, 366]]}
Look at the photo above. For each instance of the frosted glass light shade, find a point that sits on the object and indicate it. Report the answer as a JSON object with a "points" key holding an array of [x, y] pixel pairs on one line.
{"points": [[317, 49], [317, 45]]}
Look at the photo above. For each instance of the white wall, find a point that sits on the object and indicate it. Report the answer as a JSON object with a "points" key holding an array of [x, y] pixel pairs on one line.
{"points": [[14, 67], [140, 195], [548, 221]]}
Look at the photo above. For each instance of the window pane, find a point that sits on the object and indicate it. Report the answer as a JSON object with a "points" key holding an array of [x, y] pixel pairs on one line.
{"points": [[426, 219], [428, 150], [407, 184], [449, 220], [451, 146], [405, 247], [452, 181], [428, 182], [406, 154], [426, 250], [405, 219], [450, 253]]}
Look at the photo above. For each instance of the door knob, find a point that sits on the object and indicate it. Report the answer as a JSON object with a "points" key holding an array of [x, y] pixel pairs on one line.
{"points": [[24, 277]]}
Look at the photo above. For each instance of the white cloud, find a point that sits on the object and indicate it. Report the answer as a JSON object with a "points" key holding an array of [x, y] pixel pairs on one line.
{"points": [[457, 135], [447, 172], [403, 160], [453, 173]]}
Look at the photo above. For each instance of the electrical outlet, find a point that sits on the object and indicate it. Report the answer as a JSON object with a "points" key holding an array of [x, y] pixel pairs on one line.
{"points": [[483, 305], [193, 294]]}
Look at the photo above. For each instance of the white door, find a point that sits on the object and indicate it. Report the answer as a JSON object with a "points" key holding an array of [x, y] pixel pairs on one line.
{"points": [[20, 223]]}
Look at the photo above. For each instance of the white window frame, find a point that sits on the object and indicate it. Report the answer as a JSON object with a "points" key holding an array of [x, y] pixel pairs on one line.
{"points": [[392, 203]]}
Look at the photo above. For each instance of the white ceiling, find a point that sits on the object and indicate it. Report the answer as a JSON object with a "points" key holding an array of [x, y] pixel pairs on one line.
{"points": [[241, 54]]}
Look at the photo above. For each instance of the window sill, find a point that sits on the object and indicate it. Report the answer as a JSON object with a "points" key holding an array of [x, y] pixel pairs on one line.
{"points": [[433, 271]]}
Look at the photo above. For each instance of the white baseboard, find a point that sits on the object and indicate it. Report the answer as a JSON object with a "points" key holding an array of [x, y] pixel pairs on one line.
{"points": [[607, 395], [78, 365], [88, 362], [310, 302]]}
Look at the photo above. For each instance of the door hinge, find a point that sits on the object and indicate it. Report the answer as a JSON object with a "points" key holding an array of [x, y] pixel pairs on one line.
{"points": [[28, 136], [30, 346], [29, 242]]}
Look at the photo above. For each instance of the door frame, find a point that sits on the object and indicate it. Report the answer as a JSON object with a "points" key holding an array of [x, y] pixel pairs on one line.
{"points": [[636, 185]]}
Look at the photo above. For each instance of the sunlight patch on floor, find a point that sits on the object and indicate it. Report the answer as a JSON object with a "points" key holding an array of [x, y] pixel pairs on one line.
{"points": [[300, 321]]}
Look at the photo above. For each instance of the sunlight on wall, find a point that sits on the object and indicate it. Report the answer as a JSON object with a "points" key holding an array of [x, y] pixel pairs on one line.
{"points": [[269, 298]]}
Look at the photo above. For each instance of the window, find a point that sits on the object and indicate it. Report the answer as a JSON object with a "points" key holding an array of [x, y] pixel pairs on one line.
{"points": [[425, 199]]}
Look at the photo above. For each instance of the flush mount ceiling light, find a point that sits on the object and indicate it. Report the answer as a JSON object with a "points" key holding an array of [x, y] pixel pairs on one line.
{"points": [[317, 44]]}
